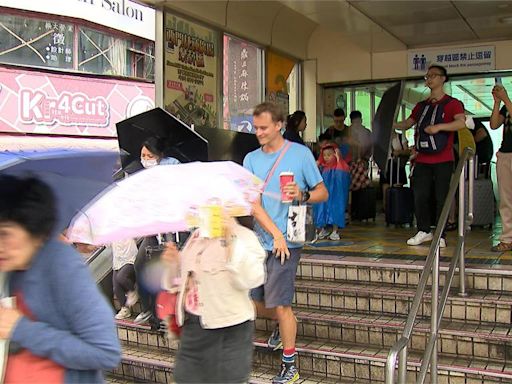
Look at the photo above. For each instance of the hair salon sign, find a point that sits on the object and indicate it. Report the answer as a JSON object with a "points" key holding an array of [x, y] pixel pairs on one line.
{"points": [[124, 15], [35, 102]]}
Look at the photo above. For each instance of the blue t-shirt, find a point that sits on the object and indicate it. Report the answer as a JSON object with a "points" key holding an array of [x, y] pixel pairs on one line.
{"points": [[299, 160]]}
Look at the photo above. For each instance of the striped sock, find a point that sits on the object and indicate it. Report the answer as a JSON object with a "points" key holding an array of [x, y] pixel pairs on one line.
{"points": [[289, 356]]}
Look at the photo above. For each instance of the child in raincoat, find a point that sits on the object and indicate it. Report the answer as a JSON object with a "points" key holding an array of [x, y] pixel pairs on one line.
{"points": [[336, 175]]}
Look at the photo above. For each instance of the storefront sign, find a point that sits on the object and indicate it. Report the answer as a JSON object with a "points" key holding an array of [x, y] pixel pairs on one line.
{"points": [[455, 60], [241, 83], [123, 15], [191, 53], [35, 102]]}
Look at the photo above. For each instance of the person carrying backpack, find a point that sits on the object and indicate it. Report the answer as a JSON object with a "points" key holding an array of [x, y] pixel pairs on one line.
{"points": [[436, 119]]}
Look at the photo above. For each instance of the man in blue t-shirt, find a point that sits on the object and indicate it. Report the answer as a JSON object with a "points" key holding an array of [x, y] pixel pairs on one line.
{"points": [[274, 298]]}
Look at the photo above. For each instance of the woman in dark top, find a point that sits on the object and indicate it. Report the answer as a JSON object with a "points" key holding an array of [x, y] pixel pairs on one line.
{"points": [[295, 124], [484, 147]]}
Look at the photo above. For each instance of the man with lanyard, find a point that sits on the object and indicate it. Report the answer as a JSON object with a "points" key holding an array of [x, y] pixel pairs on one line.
{"points": [[433, 171], [274, 298], [504, 164]]}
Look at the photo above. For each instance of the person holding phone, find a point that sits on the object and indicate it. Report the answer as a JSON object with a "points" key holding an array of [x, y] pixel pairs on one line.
{"points": [[501, 117]]}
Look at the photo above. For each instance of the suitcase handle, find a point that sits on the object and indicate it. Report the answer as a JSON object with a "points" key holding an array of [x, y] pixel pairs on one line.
{"points": [[397, 170]]}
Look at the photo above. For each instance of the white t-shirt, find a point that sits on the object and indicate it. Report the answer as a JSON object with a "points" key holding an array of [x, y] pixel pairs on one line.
{"points": [[123, 252]]}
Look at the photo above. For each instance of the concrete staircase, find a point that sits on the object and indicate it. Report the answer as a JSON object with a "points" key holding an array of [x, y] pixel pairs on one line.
{"points": [[351, 310]]}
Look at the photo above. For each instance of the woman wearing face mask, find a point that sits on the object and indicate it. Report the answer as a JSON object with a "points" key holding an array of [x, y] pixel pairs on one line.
{"points": [[151, 154]]}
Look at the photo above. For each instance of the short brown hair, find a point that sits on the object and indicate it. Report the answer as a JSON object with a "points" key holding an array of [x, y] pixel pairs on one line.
{"points": [[272, 108]]}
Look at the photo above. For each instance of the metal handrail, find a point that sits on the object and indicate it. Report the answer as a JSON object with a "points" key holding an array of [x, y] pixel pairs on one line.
{"points": [[432, 266]]}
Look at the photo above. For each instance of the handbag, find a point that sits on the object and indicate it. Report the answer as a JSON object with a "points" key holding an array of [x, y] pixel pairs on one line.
{"points": [[359, 175], [300, 227]]}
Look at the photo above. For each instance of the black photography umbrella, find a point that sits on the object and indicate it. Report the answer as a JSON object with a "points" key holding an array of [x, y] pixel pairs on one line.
{"points": [[382, 125], [179, 140]]}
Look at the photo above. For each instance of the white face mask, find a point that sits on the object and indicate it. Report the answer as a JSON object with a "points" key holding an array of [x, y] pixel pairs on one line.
{"points": [[148, 163]]}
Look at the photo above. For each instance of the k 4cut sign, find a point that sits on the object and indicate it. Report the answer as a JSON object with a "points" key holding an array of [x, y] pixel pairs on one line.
{"points": [[51, 104], [67, 109]]}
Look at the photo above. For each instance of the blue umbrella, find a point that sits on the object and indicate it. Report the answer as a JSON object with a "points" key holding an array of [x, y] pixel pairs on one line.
{"points": [[75, 176]]}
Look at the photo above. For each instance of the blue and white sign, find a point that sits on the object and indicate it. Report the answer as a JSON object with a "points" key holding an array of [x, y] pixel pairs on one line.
{"points": [[455, 60]]}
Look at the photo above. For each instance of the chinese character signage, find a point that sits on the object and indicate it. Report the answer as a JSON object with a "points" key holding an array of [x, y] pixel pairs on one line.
{"points": [[40, 103], [456, 60], [241, 85], [124, 15], [37, 43], [190, 74]]}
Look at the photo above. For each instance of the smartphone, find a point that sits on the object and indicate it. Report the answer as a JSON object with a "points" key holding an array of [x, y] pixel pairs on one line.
{"points": [[497, 81]]}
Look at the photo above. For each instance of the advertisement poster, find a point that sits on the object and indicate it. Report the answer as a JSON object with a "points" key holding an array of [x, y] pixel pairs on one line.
{"points": [[455, 60], [278, 71], [51, 104], [190, 74], [241, 80]]}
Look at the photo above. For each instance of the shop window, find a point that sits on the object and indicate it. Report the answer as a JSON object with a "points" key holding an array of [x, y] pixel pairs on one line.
{"points": [[36, 42], [142, 60], [102, 54], [362, 104]]}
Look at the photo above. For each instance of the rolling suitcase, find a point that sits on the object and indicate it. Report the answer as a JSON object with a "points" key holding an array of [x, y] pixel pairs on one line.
{"points": [[399, 201], [483, 200], [483, 203], [364, 204]]}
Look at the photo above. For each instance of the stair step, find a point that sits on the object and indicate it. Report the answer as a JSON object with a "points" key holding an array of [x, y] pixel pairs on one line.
{"points": [[146, 364], [391, 299], [479, 340], [151, 365], [401, 271], [325, 358], [111, 379], [368, 363], [134, 334]]}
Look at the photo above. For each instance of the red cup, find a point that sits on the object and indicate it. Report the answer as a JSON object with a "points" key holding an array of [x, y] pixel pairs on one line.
{"points": [[285, 178]]}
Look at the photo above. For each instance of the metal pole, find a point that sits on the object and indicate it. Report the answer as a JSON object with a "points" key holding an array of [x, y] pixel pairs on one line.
{"points": [[402, 366], [159, 58], [434, 315], [471, 179], [372, 105], [461, 232]]}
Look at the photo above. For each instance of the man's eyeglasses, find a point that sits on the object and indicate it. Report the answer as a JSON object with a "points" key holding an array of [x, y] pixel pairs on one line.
{"points": [[432, 75]]}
